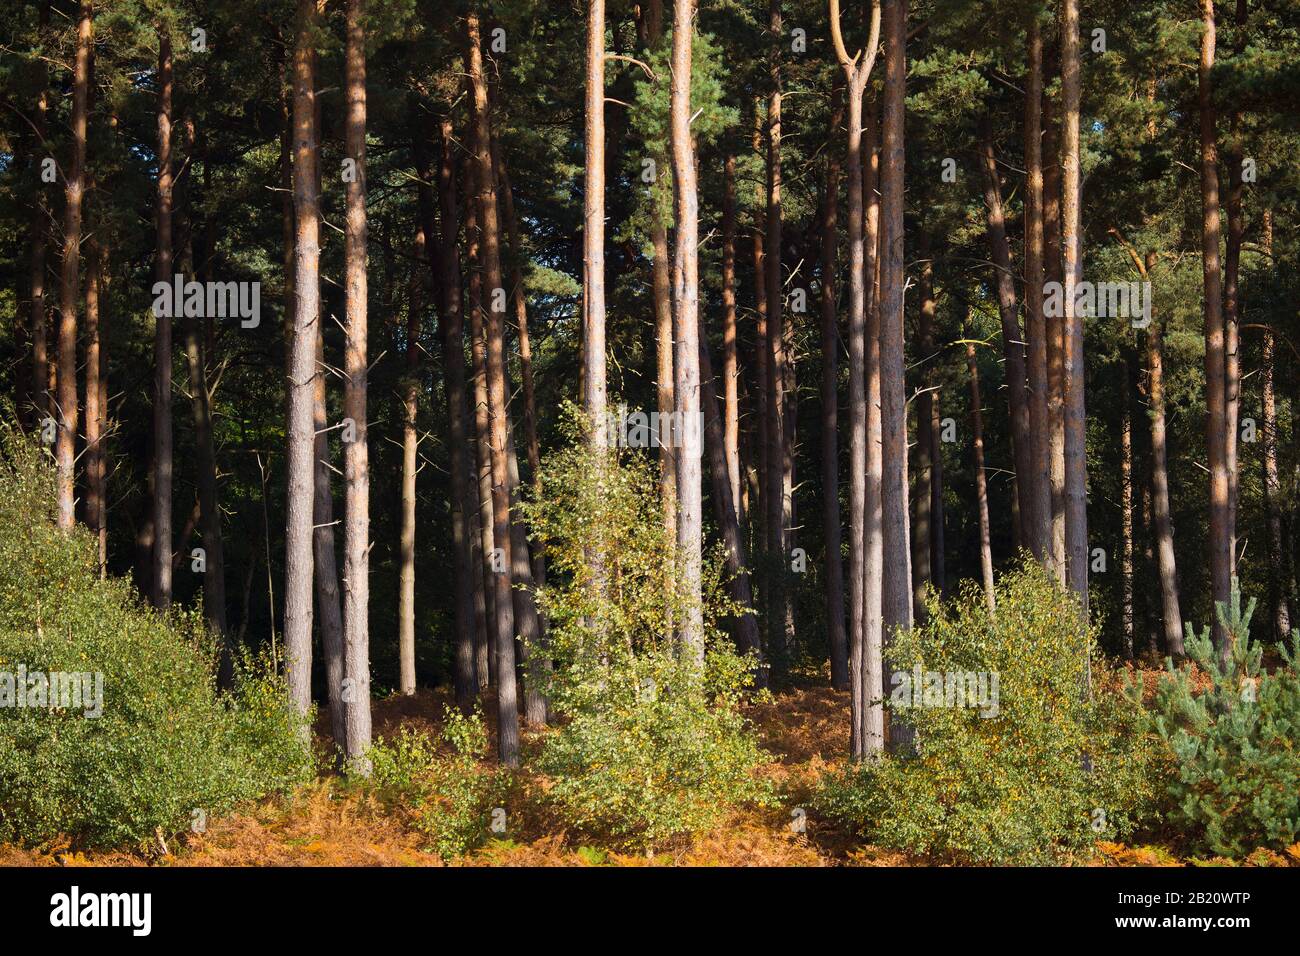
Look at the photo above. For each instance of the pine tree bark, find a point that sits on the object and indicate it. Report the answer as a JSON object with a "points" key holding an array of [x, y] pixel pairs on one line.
{"points": [[779, 457], [485, 652], [1126, 512], [1053, 270], [896, 600], [1076, 477], [40, 230], [686, 333], [97, 400], [730, 359], [1013, 347], [70, 278], [1164, 526], [832, 530], [1279, 554], [471, 609], [356, 456], [298, 572], [1039, 477], [593, 229], [498, 408], [1216, 398], [1232, 295], [162, 352], [981, 480], [922, 490], [867, 724]]}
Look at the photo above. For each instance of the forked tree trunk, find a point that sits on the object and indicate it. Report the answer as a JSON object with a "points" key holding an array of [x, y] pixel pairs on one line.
{"points": [[867, 723]]}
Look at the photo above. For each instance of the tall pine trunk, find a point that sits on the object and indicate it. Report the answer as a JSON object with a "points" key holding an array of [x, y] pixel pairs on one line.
{"points": [[356, 461], [298, 571], [498, 407]]}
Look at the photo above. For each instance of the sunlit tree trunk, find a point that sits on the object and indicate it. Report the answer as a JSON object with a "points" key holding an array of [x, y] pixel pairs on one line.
{"points": [[686, 329], [302, 372], [356, 457], [981, 481], [1053, 271], [1216, 398], [1076, 477]]}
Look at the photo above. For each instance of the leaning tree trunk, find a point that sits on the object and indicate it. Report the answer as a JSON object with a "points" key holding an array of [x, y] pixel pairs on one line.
{"points": [[302, 372], [356, 459], [1013, 347]]}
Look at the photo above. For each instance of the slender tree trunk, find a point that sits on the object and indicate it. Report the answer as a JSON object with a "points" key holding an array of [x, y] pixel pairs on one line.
{"points": [[485, 653], [356, 456], [1164, 527], [1039, 478], [97, 398], [1216, 398], [40, 230], [762, 357], [830, 343], [1076, 476], [162, 352], [1279, 554], [593, 229], [1013, 347], [730, 361], [662, 298], [686, 332], [1054, 272], [471, 609], [867, 730], [70, 278], [328, 606], [302, 372], [981, 481], [779, 457], [724, 508], [410, 391], [498, 407], [922, 492], [938, 570], [1232, 297], [95, 499], [1126, 512], [896, 602]]}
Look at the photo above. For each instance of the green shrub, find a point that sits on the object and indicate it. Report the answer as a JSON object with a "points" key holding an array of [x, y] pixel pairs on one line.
{"points": [[451, 794], [167, 751], [1236, 743], [1037, 773], [651, 743]]}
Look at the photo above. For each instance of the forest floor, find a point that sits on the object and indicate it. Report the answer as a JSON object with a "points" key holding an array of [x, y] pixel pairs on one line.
{"points": [[331, 824]]}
